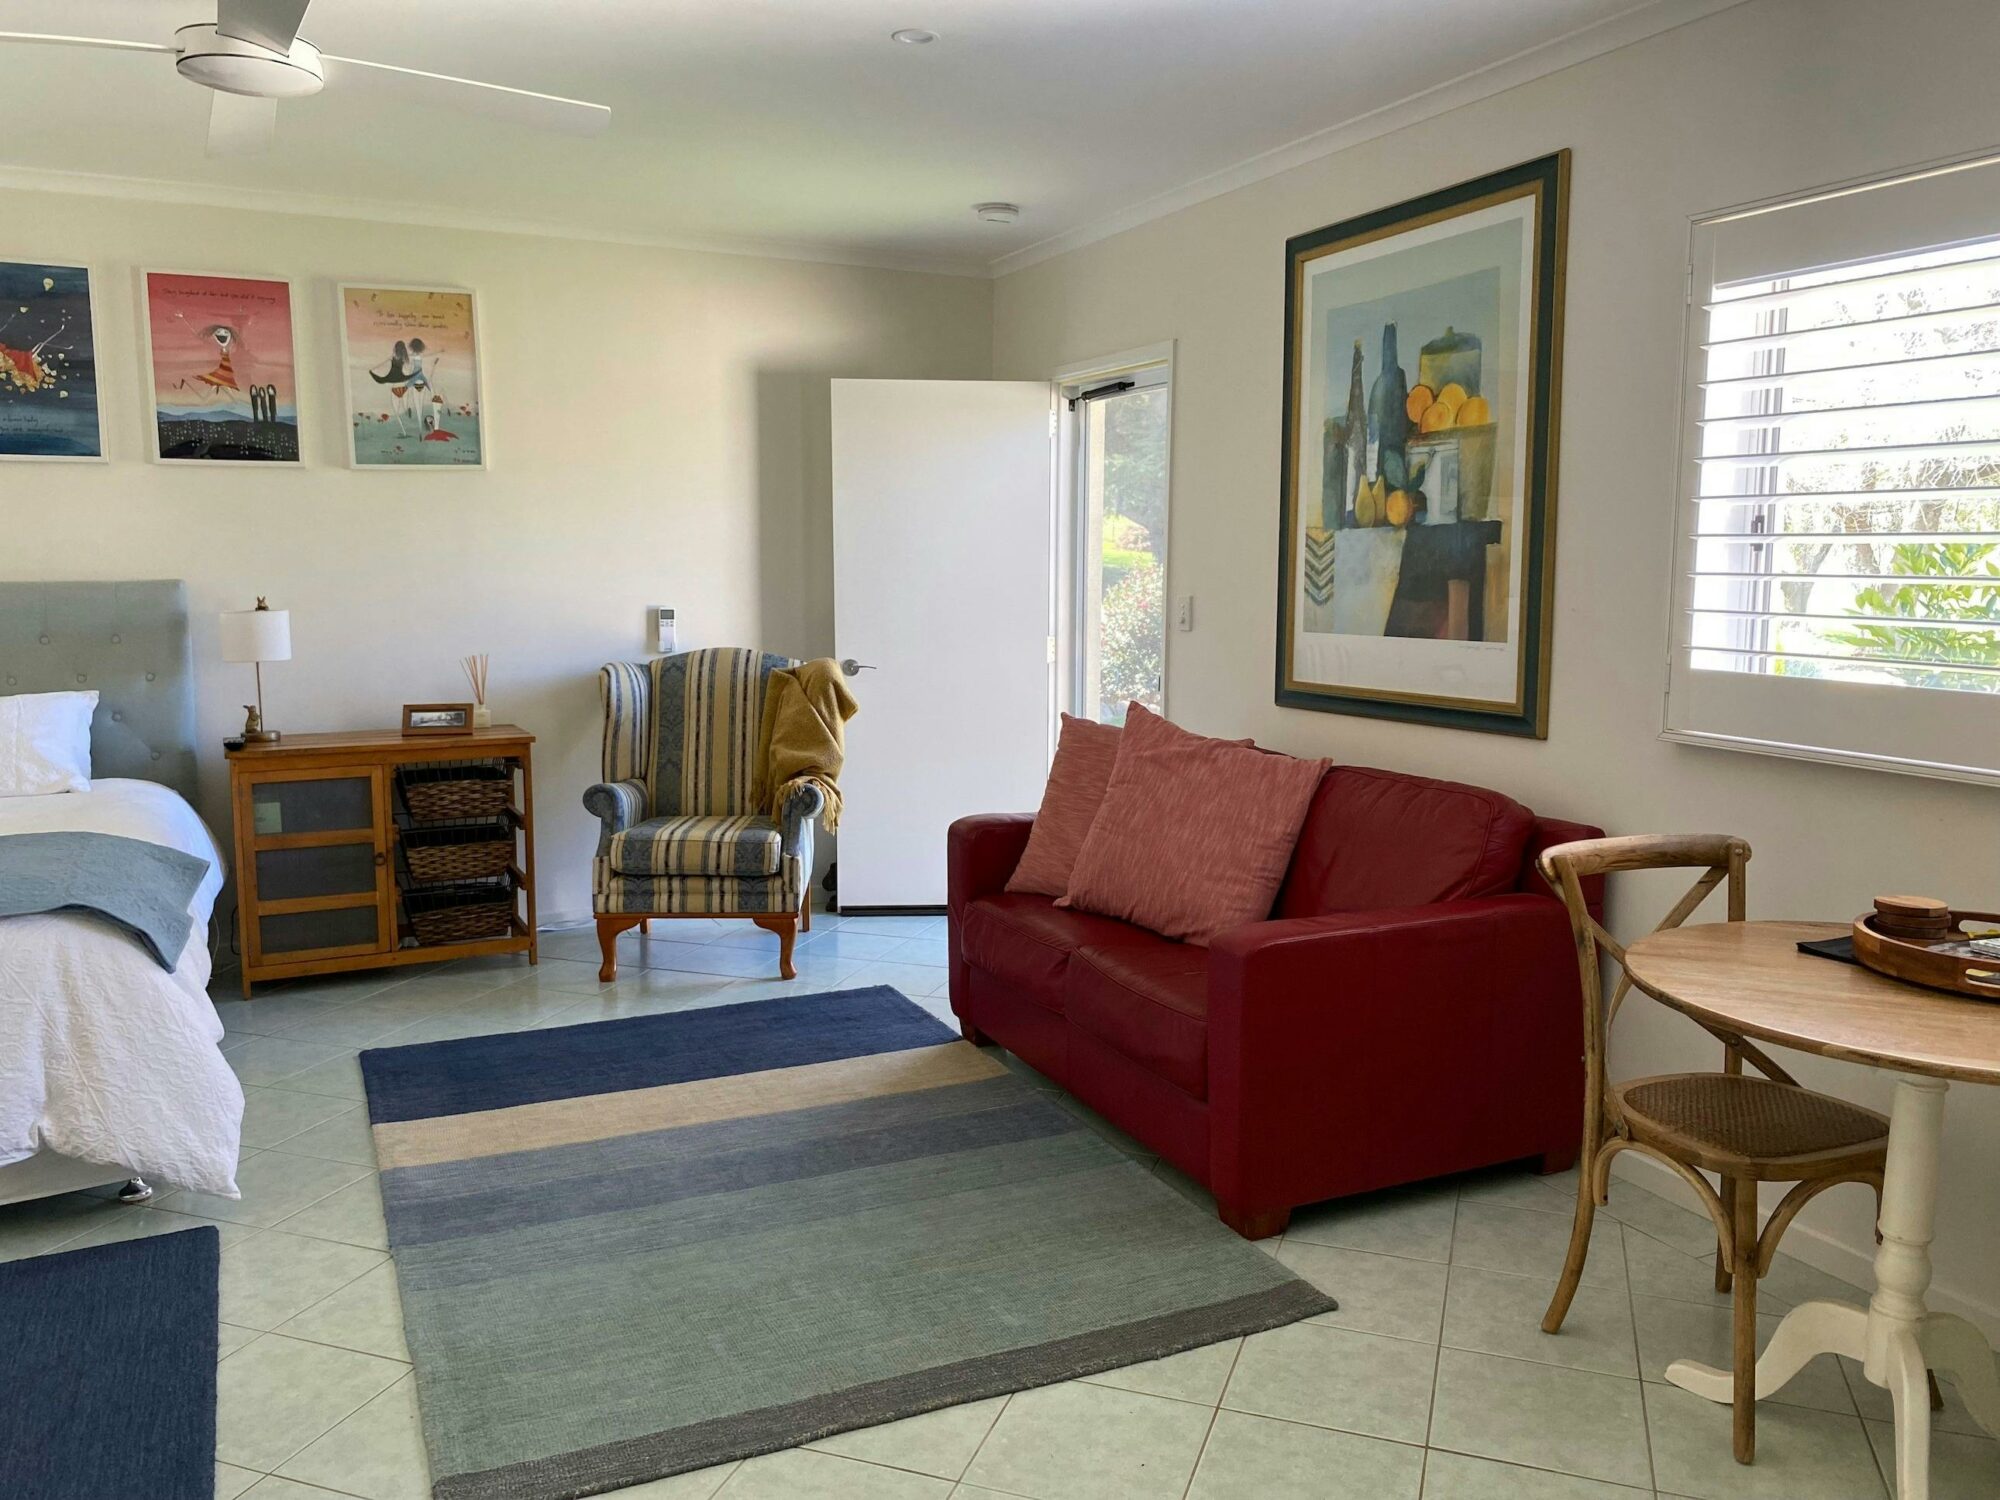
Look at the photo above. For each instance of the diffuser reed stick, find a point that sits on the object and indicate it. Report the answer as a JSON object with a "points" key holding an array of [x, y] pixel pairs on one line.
{"points": [[475, 673]]}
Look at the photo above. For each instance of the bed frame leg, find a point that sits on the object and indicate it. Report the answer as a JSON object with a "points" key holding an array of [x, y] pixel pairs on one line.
{"points": [[136, 1190]]}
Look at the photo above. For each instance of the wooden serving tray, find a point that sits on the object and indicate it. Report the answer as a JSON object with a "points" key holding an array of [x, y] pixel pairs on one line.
{"points": [[1949, 965]]}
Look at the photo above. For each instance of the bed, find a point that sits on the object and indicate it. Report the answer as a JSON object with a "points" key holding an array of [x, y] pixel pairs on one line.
{"points": [[110, 1065]]}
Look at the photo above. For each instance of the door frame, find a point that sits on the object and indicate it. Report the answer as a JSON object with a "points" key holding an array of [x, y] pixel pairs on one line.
{"points": [[1070, 587]]}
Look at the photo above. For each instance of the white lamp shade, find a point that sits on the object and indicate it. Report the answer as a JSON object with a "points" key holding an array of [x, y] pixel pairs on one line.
{"points": [[257, 635]]}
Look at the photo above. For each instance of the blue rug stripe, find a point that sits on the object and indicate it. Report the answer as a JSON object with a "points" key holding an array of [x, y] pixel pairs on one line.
{"points": [[552, 1168], [606, 1057], [621, 1189], [110, 1370]]}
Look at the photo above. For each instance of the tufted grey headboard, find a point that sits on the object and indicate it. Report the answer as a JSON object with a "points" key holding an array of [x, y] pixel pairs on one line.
{"points": [[127, 640]]}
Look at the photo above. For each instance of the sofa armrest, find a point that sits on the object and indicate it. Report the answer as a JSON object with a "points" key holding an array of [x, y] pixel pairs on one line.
{"points": [[1340, 1044], [981, 852], [617, 805]]}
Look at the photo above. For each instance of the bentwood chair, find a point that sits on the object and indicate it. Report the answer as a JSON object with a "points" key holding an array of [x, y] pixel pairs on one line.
{"points": [[1744, 1129], [681, 833]]}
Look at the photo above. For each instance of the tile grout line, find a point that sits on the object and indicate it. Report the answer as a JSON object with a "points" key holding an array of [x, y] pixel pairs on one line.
{"points": [[1632, 1318], [1444, 1312], [1215, 1414], [973, 1456]]}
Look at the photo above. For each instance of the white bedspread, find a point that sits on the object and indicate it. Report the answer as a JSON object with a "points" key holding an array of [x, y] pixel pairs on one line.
{"points": [[105, 1056]]}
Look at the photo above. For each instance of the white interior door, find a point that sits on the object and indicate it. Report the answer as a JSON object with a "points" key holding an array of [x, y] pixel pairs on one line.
{"points": [[943, 512]]}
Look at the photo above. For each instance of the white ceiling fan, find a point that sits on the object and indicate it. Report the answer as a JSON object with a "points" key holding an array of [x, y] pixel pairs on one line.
{"points": [[252, 56]]}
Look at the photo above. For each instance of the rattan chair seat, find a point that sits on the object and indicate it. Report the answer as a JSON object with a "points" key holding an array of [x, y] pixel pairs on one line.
{"points": [[1727, 1119]]}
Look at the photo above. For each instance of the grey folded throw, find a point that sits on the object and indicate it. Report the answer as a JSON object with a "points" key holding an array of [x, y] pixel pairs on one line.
{"points": [[140, 888]]}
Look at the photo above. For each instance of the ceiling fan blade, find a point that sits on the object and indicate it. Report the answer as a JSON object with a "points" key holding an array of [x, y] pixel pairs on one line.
{"points": [[239, 125], [522, 106], [268, 23], [109, 43]]}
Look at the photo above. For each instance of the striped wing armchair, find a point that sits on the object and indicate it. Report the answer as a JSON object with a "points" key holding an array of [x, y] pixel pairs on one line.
{"points": [[682, 835]]}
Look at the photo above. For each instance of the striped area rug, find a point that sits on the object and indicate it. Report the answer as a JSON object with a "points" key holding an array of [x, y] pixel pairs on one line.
{"points": [[640, 1247]]}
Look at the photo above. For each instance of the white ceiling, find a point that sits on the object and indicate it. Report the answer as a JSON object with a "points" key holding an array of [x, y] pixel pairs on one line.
{"points": [[797, 126]]}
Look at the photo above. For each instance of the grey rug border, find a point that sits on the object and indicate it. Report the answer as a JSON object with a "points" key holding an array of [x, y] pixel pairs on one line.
{"points": [[660, 1455]]}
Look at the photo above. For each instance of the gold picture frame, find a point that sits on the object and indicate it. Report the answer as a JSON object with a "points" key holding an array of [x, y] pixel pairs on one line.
{"points": [[437, 718]]}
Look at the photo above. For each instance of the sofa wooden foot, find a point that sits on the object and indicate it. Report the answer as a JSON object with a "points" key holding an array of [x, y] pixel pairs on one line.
{"points": [[608, 928], [787, 929], [1253, 1226], [1559, 1160], [973, 1034]]}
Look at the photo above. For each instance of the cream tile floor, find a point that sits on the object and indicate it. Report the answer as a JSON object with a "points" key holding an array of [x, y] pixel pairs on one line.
{"points": [[1432, 1379]]}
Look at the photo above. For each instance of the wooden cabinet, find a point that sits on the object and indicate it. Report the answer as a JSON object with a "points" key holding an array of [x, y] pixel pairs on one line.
{"points": [[320, 875]]}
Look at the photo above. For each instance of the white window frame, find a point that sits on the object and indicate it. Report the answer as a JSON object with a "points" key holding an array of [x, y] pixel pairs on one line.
{"points": [[1905, 730], [1076, 591]]}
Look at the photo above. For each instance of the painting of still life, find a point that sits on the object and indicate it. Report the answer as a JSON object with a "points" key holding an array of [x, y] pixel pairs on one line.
{"points": [[1422, 372], [414, 394], [223, 367], [48, 363]]}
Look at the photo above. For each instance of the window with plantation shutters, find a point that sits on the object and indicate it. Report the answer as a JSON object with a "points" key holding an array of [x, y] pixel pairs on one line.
{"points": [[1837, 549]]}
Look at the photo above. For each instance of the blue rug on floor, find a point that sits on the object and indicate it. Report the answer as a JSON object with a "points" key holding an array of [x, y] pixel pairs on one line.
{"points": [[109, 1356]]}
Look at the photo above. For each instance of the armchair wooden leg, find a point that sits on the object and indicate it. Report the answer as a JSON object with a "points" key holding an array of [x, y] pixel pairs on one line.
{"points": [[608, 928], [806, 911], [1579, 1246], [787, 929]]}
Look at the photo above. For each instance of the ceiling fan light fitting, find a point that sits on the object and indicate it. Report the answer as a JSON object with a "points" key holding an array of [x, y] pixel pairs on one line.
{"points": [[238, 67]]}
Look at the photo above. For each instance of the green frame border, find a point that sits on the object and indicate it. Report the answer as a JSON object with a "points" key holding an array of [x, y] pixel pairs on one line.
{"points": [[1549, 176]]}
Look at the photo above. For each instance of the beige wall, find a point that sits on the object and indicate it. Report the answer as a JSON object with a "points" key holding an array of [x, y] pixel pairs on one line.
{"points": [[658, 424], [1775, 96]]}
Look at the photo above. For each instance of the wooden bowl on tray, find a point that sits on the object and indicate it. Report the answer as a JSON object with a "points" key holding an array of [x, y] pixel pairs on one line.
{"points": [[1921, 941]]}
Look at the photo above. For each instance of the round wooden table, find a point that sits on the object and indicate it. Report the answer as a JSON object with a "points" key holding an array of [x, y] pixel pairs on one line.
{"points": [[1750, 978]]}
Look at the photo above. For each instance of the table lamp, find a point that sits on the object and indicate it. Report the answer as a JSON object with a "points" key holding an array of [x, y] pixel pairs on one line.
{"points": [[257, 636]]}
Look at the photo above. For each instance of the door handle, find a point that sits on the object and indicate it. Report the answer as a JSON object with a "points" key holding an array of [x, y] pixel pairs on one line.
{"points": [[381, 859], [849, 667]]}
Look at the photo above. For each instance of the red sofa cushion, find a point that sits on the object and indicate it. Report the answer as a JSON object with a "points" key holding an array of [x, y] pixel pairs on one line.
{"points": [[1077, 778], [1024, 940], [1194, 834], [1380, 839], [1149, 1002]]}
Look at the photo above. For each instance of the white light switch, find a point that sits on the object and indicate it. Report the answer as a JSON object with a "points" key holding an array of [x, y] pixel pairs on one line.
{"points": [[1184, 612]]}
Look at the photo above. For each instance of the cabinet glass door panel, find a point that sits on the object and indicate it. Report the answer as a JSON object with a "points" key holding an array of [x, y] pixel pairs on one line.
{"points": [[310, 931], [332, 804], [317, 870]]}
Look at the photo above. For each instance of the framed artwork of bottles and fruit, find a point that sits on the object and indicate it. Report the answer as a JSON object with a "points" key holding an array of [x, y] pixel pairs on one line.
{"points": [[1423, 364]]}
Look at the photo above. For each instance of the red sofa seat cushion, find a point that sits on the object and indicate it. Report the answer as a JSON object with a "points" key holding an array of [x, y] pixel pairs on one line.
{"points": [[1149, 1002], [1374, 840], [1025, 940]]}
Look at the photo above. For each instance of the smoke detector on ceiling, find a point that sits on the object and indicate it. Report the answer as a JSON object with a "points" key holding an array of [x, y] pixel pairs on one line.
{"points": [[997, 213]]}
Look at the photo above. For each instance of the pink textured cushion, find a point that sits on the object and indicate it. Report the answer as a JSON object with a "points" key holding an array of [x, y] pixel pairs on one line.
{"points": [[1194, 834], [1077, 778]]}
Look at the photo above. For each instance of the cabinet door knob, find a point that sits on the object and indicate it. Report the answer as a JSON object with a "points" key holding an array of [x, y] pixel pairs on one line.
{"points": [[381, 859]]}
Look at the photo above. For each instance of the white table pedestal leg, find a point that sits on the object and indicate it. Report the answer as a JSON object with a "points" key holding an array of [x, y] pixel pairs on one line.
{"points": [[1896, 1339]]}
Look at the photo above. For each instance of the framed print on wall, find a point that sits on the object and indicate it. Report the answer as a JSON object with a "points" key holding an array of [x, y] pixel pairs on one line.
{"points": [[415, 391], [1423, 362], [223, 368], [48, 363]]}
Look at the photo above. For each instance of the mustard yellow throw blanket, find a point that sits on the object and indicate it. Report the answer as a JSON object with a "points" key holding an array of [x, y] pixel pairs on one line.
{"points": [[806, 709]]}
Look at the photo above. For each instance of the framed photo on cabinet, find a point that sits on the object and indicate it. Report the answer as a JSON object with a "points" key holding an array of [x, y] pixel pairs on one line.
{"points": [[1422, 385], [414, 385]]}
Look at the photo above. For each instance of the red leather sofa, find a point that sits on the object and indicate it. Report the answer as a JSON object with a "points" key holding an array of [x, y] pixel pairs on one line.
{"points": [[1410, 1009]]}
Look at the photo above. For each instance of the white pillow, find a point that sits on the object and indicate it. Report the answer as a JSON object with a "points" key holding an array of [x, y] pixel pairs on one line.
{"points": [[45, 743]]}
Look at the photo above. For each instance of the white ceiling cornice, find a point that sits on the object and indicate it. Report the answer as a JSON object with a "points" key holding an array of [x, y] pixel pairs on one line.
{"points": [[389, 211], [1622, 30]]}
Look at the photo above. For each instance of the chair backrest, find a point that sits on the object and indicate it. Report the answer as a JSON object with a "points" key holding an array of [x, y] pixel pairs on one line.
{"points": [[689, 728], [1568, 867]]}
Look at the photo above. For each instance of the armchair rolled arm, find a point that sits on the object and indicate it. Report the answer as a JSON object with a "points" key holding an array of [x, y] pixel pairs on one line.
{"points": [[804, 801], [617, 805], [1337, 1035]]}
